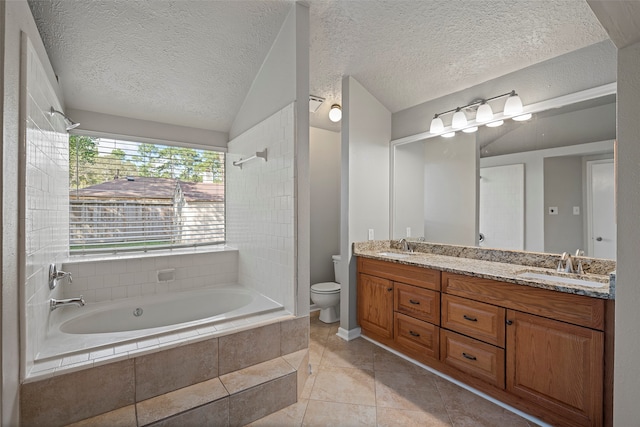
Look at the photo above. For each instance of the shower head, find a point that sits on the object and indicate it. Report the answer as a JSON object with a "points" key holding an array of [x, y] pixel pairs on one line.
{"points": [[70, 123]]}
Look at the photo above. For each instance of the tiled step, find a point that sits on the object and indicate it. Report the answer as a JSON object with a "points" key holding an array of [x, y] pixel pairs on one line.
{"points": [[233, 399]]}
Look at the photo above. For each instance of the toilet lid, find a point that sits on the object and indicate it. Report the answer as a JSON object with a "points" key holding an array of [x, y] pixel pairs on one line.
{"points": [[326, 287]]}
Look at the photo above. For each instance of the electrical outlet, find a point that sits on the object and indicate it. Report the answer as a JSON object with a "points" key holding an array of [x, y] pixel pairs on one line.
{"points": [[553, 210], [371, 234], [408, 231], [576, 210]]}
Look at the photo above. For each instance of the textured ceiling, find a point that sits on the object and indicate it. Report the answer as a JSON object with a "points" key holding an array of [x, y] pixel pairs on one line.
{"points": [[191, 63]]}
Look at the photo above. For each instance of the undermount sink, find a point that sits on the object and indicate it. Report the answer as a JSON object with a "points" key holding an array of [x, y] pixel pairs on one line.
{"points": [[394, 255], [560, 279]]}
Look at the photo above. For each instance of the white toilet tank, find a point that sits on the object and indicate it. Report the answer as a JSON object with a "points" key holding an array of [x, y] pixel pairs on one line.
{"points": [[336, 268]]}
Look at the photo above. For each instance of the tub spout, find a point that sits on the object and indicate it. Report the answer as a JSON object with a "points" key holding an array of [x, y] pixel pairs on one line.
{"points": [[55, 303]]}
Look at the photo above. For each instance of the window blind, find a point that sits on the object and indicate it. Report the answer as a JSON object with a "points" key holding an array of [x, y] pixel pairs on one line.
{"points": [[132, 196]]}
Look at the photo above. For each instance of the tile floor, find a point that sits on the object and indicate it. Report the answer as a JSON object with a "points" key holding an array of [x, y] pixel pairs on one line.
{"points": [[357, 383]]}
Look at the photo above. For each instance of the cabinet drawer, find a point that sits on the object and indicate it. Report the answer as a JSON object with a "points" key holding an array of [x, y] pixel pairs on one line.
{"points": [[473, 357], [415, 337], [413, 275], [478, 320], [423, 304]]}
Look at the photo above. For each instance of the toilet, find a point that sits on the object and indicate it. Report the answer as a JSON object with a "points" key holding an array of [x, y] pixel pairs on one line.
{"points": [[326, 295]]}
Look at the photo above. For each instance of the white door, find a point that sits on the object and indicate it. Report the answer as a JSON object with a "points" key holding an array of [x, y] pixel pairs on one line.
{"points": [[502, 207], [601, 231]]}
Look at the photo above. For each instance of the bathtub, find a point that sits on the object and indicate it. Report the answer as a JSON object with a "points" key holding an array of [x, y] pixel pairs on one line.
{"points": [[116, 327]]}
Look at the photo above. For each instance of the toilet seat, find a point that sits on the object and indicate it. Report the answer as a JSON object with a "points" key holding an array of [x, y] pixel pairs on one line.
{"points": [[326, 288]]}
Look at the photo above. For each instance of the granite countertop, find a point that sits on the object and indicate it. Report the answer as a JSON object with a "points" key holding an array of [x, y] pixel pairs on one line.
{"points": [[504, 266]]}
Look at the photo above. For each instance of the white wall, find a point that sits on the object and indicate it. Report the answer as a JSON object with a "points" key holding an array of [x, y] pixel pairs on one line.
{"points": [[534, 183], [324, 173], [260, 207], [627, 343], [408, 184], [450, 187], [46, 203], [16, 18], [144, 130], [283, 79], [274, 86], [366, 133]]}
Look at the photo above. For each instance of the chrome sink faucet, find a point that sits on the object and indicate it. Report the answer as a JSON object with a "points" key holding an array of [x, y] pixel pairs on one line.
{"points": [[56, 303], [568, 263], [404, 245]]}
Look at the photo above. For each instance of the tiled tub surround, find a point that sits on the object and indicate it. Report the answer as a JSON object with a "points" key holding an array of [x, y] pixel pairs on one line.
{"points": [[502, 265], [113, 277], [45, 213], [261, 203], [232, 378]]}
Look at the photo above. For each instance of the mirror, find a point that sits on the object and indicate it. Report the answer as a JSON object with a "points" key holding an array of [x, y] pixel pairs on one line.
{"points": [[543, 185]]}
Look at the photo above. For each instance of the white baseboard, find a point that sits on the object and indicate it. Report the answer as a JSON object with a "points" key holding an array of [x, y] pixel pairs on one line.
{"points": [[349, 335]]}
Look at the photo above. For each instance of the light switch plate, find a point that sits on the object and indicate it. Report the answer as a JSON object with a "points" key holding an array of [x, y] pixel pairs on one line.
{"points": [[576, 210], [408, 231], [371, 234], [553, 210]]}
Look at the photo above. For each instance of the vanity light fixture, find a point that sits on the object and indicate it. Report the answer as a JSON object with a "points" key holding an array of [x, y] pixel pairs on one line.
{"points": [[436, 125], [483, 114], [70, 124], [335, 114], [459, 119], [513, 106]]}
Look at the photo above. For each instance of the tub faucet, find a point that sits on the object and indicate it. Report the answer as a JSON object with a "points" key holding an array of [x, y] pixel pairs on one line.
{"points": [[55, 303], [55, 275]]}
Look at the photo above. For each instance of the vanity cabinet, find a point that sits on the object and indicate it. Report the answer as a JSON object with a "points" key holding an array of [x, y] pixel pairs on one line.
{"points": [[375, 305], [399, 305], [556, 365], [539, 350]]}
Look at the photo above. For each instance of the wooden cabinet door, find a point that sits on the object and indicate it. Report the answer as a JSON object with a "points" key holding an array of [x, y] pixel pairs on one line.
{"points": [[556, 365], [375, 305]]}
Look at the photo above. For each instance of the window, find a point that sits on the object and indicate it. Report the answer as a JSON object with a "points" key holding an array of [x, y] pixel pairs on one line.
{"points": [[126, 195]]}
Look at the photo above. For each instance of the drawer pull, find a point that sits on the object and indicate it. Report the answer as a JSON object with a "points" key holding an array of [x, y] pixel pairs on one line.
{"points": [[389, 289], [414, 302], [469, 318], [414, 334], [468, 356]]}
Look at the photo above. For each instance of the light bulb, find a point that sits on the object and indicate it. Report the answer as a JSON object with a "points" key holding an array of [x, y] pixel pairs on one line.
{"points": [[484, 113], [459, 120], [335, 114], [513, 106], [436, 125], [495, 124], [522, 118], [448, 134], [470, 130]]}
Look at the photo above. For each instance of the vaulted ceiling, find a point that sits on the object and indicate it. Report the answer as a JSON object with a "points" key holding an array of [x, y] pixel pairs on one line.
{"points": [[191, 63]]}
